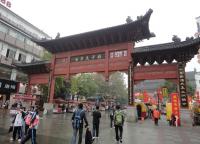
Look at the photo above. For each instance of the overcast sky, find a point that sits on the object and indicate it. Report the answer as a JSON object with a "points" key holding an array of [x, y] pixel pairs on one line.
{"points": [[170, 17]]}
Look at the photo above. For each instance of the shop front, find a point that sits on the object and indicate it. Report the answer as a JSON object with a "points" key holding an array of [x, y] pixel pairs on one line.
{"points": [[7, 88]]}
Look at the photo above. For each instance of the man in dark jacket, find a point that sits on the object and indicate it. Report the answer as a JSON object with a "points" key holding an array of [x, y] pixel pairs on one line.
{"points": [[96, 121], [78, 119]]}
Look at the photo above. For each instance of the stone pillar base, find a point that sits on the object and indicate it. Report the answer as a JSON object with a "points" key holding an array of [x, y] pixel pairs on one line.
{"points": [[48, 107], [131, 114]]}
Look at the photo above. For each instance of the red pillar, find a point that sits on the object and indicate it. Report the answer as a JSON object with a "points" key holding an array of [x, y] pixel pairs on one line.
{"points": [[52, 88], [28, 89], [52, 80], [107, 65]]}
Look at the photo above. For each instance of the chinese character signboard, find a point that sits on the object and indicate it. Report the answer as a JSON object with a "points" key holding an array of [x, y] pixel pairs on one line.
{"points": [[175, 105], [130, 86], [7, 86], [88, 57], [182, 85]]}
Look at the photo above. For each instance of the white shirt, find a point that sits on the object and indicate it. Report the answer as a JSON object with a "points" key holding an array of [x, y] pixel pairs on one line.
{"points": [[18, 119]]}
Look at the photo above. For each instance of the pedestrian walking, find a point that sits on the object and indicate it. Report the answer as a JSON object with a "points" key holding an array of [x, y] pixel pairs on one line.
{"points": [[172, 120], [27, 118], [118, 122], [78, 119], [13, 114], [33, 125], [112, 111], [96, 121], [156, 116], [17, 126]]}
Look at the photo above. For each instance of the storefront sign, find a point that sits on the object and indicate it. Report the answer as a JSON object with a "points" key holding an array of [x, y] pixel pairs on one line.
{"points": [[7, 86], [175, 105], [182, 85]]}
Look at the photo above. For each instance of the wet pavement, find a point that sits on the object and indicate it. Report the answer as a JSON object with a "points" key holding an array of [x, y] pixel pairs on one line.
{"points": [[56, 129]]}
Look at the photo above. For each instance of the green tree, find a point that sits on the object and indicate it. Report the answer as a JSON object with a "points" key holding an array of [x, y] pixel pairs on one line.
{"points": [[61, 88], [46, 55], [117, 87], [172, 87], [190, 90], [44, 90], [83, 85]]}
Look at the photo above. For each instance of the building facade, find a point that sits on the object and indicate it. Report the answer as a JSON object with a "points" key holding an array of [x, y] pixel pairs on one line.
{"points": [[197, 34], [16, 46], [193, 80]]}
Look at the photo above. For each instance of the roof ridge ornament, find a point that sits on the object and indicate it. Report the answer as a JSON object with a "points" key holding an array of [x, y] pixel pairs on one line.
{"points": [[176, 39], [129, 20]]}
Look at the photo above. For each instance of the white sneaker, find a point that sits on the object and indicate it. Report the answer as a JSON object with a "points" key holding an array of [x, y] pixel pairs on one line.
{"points": [[11, 139], [19, 140]]}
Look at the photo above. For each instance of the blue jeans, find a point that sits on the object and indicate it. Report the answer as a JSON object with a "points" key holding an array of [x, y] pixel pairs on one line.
{"points": [[31, 135], [74, 137]]}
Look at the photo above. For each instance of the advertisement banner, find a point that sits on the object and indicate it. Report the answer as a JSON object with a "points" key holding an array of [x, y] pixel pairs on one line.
{"points": [[175, 106]]}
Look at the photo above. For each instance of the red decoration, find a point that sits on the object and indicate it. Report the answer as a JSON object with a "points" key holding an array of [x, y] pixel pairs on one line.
{"points": [[175, 106], [145, 97]]}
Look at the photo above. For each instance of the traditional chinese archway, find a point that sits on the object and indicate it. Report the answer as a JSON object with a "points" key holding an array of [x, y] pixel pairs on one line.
{"points": [[112, 49], [170, 59], [103, 51]]}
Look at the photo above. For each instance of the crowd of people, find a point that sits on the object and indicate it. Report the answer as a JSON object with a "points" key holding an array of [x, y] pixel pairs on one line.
{"points": [[23, 124], [79, 119]]}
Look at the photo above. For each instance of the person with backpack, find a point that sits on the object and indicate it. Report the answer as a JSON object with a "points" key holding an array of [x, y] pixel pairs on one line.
{"points": [[33, 125], [78, 119], [27, 120], [96, 121], [118, 122]]}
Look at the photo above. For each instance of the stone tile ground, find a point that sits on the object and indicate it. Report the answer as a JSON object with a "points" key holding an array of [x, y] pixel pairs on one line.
{"points": [[56, 129]]}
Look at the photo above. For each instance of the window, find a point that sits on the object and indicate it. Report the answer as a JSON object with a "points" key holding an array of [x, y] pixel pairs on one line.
{"points": [[22, 58], [20, 37], [29, 42], [3, 28], [12, 33], [10, 53]]}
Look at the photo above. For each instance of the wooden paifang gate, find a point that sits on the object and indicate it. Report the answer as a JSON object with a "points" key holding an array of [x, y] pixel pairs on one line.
{"points": [[164, 61], [104, 51]]}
